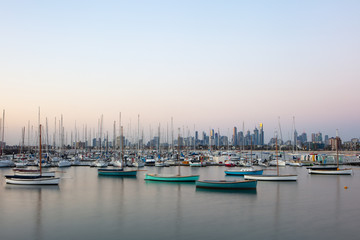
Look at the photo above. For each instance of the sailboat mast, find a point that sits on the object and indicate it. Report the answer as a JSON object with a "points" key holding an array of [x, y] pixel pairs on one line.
{"points": [[179, 152], [251, 146], [40, 147], [121, 146], [2, 134], [276, 155], [337, 149]]}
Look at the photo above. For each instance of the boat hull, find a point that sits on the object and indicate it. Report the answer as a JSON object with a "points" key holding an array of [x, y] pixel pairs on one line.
{"points": [[117, 172], [242, 172], [34, 173], [171, 178], [223, 184], [331, 172], [33, 181], [271, 177]]}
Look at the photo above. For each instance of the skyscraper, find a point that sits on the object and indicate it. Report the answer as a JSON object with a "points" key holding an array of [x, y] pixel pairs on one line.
{"points": [[256, 137], [261, 135], [235, 137]]}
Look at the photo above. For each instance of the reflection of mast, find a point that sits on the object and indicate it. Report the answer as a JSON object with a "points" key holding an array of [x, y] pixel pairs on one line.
{"points": [[179, 218], [277, 208], [38, 229]]}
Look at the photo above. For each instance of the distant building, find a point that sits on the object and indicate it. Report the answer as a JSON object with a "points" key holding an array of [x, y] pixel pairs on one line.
{"points": [[235, 137], [318, 137], [261, 134], [334, 142], [295, 138], [326, 140], [255, 139], [303, 138], [241, 138]]}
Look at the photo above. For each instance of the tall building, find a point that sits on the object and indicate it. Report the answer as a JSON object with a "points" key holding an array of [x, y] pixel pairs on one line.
{"points": [[196, 138], [318, 137], [303, 138], [261, 134], [313, 137], [255, 139], [212, 137], [241, 138], [247, 138], [326, 140], [235, 137]]}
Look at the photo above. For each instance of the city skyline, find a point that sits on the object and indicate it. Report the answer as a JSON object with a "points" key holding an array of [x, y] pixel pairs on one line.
{"points": [[55, 130], [208, 64]]}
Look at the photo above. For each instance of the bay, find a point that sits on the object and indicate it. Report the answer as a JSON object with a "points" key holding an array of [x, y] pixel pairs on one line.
{"points": [[88, 206]]}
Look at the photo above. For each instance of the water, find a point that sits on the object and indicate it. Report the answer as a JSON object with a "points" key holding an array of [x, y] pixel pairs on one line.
{"points": [[88, 206]]}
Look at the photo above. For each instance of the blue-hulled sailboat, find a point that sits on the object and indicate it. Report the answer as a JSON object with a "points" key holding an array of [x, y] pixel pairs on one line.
{"points": [[244, 171], [226, 184], [172, 177], [118, 171]]}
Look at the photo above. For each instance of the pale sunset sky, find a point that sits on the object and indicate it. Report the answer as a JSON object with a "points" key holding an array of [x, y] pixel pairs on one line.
{"points": [[208, 64]]}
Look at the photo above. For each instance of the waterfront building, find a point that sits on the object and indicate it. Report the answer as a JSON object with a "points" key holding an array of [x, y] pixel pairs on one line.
{"points": [[332, 142]]}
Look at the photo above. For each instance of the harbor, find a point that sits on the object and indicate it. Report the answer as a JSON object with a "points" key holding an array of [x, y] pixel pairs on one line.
{"points": [[92, 206]]}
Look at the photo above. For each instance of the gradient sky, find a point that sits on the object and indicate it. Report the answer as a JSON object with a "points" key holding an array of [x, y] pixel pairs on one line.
{"points": [[212, 64]]}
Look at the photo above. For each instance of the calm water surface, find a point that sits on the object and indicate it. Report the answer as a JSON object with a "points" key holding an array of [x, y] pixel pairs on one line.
{"points": [[88, 206]]}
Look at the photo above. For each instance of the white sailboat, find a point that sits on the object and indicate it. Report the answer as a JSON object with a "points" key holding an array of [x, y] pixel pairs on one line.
{"points": [[276, 177], [33, 180], [337, 171]]}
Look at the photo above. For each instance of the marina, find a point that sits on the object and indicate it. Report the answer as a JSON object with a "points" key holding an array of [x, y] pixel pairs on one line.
{"points": [[180, 120], [92, 206]]}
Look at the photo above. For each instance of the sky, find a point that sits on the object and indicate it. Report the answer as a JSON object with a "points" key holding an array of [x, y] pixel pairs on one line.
{"points": [[206, 64]]}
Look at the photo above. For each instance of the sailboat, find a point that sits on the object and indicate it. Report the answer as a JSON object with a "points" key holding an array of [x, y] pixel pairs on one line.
{"points": [[33, 179], [227, 184], [118, 171], [246, 170], [276, 177], [172, 177], [332, 171]]}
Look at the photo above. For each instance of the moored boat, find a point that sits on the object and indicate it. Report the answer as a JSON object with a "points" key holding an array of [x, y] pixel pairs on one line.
{"points": [[347, 171], [33, 172], [271, 177], [37, 179], [32, 180], [171, 177], [244, 171], [332, 171], [226, 184], [117, 172]]}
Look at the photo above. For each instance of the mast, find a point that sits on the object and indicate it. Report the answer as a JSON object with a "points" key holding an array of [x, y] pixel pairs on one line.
{"points": [[2, 134], [159, 150], [121, 146], [276, 155], [179, 152], [172, 135], [40, 147], [251, 145], [280, 130], [337, 149]]}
